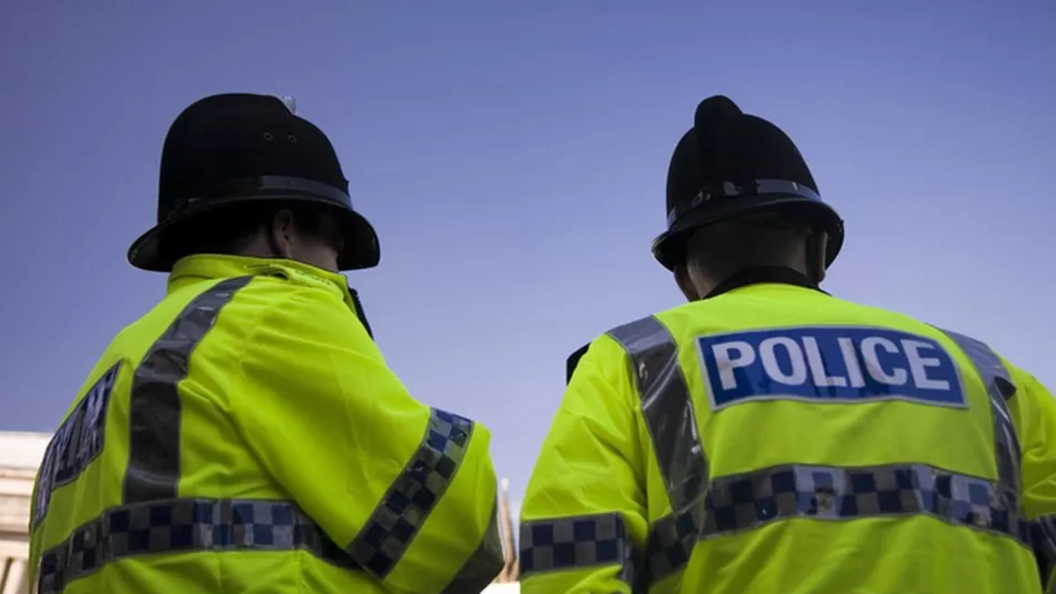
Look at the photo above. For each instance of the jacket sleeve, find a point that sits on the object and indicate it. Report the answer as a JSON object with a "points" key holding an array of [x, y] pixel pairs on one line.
{"points": [[583, 519], [408, 491], [1035, 409]]}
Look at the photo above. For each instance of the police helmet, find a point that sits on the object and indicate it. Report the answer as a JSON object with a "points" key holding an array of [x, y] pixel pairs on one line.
{"points": [[231, 150], [730, 164]]}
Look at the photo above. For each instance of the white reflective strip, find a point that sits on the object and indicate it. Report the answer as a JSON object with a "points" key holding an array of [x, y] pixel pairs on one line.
{"points": [[667, 408], [290, 103]]}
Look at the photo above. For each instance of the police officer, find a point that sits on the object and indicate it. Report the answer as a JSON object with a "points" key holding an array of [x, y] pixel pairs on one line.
{"points": [[767, 437], [245, 435]]}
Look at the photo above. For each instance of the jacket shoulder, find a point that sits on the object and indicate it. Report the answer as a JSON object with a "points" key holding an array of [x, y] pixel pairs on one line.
{"points": [[573, 361], [647, 327]]}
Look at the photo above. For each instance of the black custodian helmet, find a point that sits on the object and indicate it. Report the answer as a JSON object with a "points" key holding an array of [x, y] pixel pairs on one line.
{"points": [[228, 150], [730, 164]]}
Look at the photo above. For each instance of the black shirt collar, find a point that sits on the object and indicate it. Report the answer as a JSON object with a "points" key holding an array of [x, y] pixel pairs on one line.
{"points": [[764, 274]]}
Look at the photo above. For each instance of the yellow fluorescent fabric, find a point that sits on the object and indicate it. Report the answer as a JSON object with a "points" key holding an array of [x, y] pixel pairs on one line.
{"points": [[252, 439], [600, 458], [349, 430], [592, 461], [1034, 410]]}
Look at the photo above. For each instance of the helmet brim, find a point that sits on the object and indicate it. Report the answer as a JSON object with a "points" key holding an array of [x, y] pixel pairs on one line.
{"points": [[669, 248], [361, 246]]}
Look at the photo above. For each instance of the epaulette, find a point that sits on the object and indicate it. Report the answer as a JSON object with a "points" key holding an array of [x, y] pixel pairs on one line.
{"points": [[573, 361]]}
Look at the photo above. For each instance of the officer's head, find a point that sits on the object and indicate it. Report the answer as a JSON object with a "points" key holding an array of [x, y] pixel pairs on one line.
{"points": [[740, 196], [242, 174]]}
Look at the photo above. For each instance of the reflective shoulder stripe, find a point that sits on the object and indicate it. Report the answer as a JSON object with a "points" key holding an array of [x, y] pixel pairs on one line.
{"points": [[154, 408], [485, 563], [580, 542], [588, 541], [185, 526], [1000, 389], [384, 539], [667, 408]]}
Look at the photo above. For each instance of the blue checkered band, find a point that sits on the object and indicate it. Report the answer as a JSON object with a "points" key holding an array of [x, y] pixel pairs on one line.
{"points": [[578, 543], [385, 537], [747, 501], [667, 408], [184, 525], [671, 541]]}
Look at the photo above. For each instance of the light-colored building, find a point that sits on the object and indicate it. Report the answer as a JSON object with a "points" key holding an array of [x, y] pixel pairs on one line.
{"points": [[20, 455]]}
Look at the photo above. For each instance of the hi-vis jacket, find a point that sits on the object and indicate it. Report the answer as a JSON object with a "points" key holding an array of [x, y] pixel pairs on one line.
{"points": [[247, 436], [774, 439]]}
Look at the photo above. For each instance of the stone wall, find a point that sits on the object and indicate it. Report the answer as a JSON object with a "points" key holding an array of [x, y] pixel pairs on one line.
{"points": [[20, 453]]}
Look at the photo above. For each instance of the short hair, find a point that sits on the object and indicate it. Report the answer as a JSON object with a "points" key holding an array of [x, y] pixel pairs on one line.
{"points": [[230, 230], [765, 238]]}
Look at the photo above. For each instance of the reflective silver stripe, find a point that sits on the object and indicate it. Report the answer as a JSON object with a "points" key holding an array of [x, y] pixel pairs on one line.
{"points": [[185, 526], [483, 565], [999, 387], [580, 542], [154, 408], [667, 408], [384, 539]]}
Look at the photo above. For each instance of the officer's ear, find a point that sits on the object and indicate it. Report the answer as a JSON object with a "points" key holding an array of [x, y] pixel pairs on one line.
{"points": [[685, 283], [280, 233]]}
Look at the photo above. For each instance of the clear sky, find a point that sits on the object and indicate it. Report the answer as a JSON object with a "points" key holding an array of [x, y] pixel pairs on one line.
{"points": [[512, 156]]}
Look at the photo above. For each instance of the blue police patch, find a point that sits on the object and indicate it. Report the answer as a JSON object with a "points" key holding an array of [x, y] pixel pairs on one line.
{"points": [[828, 364], [76, 443]]}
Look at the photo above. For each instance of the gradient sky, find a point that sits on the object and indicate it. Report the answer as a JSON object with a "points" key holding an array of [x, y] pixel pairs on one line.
{"points": [[513, 158]]}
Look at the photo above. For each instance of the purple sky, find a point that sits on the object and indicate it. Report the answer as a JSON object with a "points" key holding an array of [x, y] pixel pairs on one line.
{"points": [[513, 158]]}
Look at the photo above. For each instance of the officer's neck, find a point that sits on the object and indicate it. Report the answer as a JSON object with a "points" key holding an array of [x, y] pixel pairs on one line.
{"points": [[761, 274]]}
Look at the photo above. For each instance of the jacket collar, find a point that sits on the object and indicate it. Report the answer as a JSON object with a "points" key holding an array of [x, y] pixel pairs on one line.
{"points": [[201, 267], [764, 274]]}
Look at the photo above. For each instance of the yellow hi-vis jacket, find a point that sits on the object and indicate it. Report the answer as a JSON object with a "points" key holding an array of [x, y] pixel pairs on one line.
{"points": [[246, 436], [776, 440]]}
